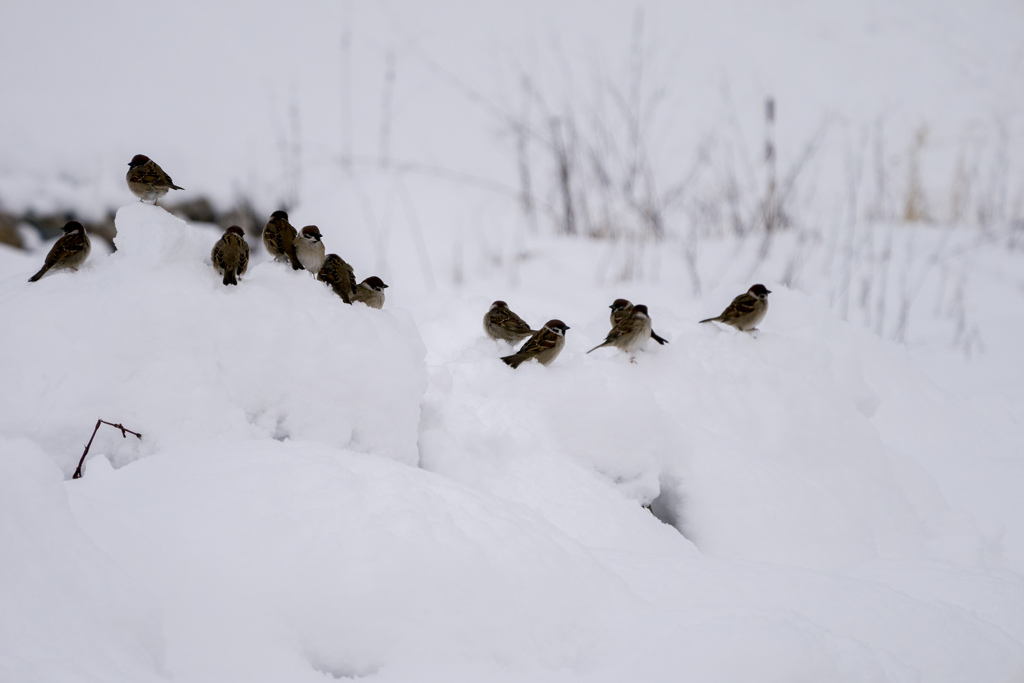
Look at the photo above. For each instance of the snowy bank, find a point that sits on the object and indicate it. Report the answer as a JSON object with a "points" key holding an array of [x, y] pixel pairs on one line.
{"points": [[149, 337]]}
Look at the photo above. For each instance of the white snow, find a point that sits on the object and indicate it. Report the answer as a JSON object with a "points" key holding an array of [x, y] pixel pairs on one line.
{"points": [[307, 505], [151, 335], [330, 492]]}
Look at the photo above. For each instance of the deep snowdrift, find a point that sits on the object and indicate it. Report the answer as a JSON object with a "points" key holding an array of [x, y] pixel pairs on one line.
{"points": [[832, 514], [149, 337]]}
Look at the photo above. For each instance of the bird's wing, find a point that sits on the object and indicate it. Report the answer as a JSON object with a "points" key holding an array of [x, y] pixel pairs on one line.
{"points": [[66, 246], [742, 305], [243, 258], [508, 320], [151, 174], [543, 340]]}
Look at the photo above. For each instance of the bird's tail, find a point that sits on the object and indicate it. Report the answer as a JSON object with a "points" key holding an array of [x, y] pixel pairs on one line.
{"points": [[293, 257], [515, 360], [598, 346], [175, 187], [229, 277], [658, 338], [340, 291], [710, 320], [42, 272]]}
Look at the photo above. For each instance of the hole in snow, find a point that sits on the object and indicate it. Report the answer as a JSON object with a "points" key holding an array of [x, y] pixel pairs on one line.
{"points": [[668, 506], [280, 433], [340, 672]]}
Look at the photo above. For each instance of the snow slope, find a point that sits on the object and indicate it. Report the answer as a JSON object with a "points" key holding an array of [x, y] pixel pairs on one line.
{"points": [[326, 492], [818, 513], [148, 333]]}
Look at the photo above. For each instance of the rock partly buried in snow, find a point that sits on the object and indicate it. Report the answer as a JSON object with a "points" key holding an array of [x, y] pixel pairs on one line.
{"points": [[149, 337]]}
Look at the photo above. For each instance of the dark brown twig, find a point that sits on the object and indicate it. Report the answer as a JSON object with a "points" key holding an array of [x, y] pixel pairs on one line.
{"points": [[124, 434]]}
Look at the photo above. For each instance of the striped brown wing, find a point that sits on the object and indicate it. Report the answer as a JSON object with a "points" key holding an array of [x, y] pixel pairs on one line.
{"points": [[151, 174]]}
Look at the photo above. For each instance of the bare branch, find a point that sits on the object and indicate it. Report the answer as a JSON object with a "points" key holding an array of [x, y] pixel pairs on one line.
{"points": [[124, 434]]}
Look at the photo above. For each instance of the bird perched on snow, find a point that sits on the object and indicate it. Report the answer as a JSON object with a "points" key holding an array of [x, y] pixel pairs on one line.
{"points": [[230, 255], [339, 275], [309, 249], [630, 333], [146, 180], [621, 309], [70, 251], [279, 239], [501, 324], [746, 310], [371, 292], [544, 345]]}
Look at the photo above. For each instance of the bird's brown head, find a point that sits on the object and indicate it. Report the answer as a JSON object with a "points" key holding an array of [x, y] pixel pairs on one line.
{"points": [[279, 214], [499, 304], [640, 308], [73, 226], [311, 232], [138, 160], [375, 283], [760, 291], [620, 305], [556, 326], [235, 230]]}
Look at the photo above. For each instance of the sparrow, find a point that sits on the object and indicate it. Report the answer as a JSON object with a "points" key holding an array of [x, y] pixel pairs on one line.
{"points": [[501, 324], [621, 308], [371, 292], [146, 180], [279, 239], [70, 251], [339, 275], [544, 345], [746, 310], [309, 249], [230, 255], [630, 333]]}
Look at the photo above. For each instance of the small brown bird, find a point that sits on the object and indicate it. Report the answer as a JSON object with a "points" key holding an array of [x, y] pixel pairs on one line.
{"points": [[230, 255], [309, 249], [279, 239], [544, 345], [339, 275], [147, 181], [630, 333], [371, 292], [621, 308], [501, 324], [746, 310], [70, 251]]}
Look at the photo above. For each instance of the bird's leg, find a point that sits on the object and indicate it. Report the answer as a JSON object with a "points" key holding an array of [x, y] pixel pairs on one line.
{"points": [[632, 359]]}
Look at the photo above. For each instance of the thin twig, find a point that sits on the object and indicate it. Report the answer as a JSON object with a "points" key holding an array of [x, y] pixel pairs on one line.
{"points": [[124, 434]]}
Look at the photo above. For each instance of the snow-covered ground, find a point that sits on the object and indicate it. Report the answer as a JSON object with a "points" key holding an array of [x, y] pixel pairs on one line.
{"points": [[822, 509], [331, 492]]}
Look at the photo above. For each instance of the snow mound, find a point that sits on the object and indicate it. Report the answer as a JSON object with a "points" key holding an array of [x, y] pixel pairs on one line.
{"points": [[150, 338], [69, 613], [309, 557], [756, 448]]}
